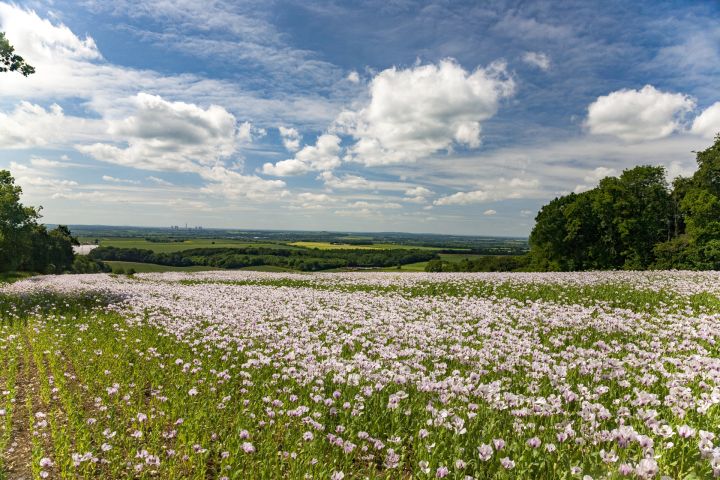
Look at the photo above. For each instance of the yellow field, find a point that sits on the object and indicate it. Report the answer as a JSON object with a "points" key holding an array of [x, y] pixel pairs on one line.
{"points": [[350, 246]]}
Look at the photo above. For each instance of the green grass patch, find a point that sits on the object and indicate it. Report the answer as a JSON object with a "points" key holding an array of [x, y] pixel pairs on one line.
{"points": [[169, 247]]}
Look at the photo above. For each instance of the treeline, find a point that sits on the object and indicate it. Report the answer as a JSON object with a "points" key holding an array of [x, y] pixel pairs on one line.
{"points": [[296, 259], [26, 245], [634, 221], [489, 263]]}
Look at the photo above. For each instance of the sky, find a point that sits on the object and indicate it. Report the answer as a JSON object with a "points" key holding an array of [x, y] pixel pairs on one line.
{"points": [[393, 115]]}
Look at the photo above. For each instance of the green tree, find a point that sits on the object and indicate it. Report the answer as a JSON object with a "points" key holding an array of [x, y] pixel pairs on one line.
{"points": [[10, 61], [17, 223], [548, 239]]}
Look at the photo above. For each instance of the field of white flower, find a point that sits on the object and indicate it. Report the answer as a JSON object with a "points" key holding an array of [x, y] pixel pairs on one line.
{"points": [[243, 375]]}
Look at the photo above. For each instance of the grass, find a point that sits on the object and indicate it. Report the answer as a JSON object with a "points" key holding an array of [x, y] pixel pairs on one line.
{"points": [[10, 277], [167, 247]]}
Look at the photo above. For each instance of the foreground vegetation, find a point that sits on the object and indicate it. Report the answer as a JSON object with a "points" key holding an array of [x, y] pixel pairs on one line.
{"points": [[247, 374]]}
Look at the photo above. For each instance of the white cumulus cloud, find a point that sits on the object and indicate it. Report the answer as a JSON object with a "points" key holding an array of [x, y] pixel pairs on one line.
{"points": [[323, 156], [638, 115], [415, 112], [501, 189], [707, 123], [537, 59], [290, 138], [164, 136], [30, 125]]}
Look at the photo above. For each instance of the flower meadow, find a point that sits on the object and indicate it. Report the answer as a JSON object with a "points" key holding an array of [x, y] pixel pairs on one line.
{"points": [[250, 375]]}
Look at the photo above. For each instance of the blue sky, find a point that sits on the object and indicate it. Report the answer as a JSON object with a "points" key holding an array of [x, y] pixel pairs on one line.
{"points": [[447, 117]]}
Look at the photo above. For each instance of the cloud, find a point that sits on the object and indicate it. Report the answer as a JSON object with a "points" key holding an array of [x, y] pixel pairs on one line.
{"points": [[501, 189], [290, 138], [233, 185], [170, 136], [324, 155], [415, 112], [375, 206], [594, 177], [110, 179], [72, 67], [159, 181], [489, 213], [707, 123], [35, 179], [599, 173], [417, 194], [346, 182], [537, 59], [45, 163], [353, 77], [30, 125], [313, 201], [638, 115]]}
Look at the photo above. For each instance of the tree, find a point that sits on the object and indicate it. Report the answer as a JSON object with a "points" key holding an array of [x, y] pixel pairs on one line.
{"points": [[16, 224], [615, 225], [10, 61]]}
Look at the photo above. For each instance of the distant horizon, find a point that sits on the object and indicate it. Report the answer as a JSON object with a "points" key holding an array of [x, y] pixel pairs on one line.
{"points": [[238, 229]]}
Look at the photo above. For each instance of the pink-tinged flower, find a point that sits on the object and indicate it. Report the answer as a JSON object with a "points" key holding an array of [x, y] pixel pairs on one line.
{"points": [[248, 447], [507, 463], [105, 447], [485, 451], [423, 433], [647, 468], [685, 431], [534, 442], [625, 469], [608, 457], [244, 434], [141, 417], [192, 392], [45, 462], [442, 472], [337, 475], [460, 464], [424, 466], [499, 443], [307, 436]]}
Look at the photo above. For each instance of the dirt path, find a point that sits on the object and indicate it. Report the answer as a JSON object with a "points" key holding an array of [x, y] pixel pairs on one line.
{"points": [[18, 456]]}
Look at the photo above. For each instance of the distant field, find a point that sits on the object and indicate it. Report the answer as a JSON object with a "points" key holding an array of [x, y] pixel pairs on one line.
{"points": [[10, 277], [409, 267], [458, 257], [268, 268], [152, 267], [420, 266], [166, 247], [350, 246]]}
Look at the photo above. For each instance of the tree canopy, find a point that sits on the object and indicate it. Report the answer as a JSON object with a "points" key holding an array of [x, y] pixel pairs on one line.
{"points": [[635, 221], [25, 244], [10, 61]]}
